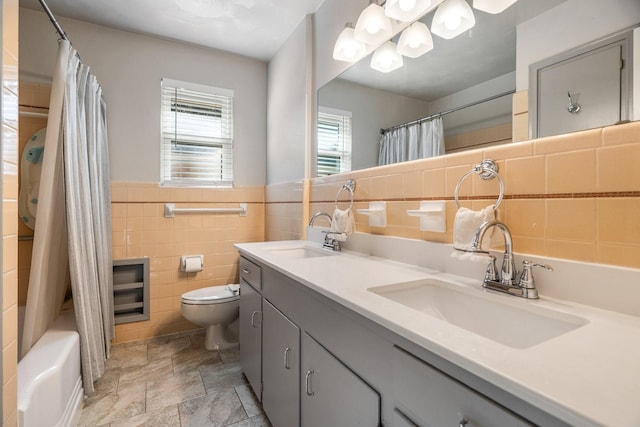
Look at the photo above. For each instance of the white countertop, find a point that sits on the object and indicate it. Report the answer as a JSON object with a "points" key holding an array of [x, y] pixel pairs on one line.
{"points": [[589, 376]]}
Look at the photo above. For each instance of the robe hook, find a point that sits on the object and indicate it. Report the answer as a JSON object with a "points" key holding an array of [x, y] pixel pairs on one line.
{"points": [[574, 107]]}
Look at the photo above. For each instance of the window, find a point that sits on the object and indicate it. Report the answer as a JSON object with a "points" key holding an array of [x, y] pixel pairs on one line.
{"points": [[197, 135], [334, 141]]}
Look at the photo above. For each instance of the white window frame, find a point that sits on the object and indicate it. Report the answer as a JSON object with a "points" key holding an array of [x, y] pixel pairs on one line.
{"points": [[200, 136], [342, 146]]}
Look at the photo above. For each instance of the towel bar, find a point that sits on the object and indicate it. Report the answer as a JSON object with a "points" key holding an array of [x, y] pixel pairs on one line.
{"points": [[170, 210], [487, 170]]}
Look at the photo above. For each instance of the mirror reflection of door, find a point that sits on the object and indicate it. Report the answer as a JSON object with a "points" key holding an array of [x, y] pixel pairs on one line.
{"points": [[582, 90], [593, 80]]}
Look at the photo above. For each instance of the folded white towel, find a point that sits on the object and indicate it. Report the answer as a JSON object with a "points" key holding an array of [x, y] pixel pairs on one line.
{"points": [[342, 224], [340, 237], [467, 222]]}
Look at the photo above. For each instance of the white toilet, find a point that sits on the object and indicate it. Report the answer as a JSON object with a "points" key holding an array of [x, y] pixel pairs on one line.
{"points": [[214, 308]]}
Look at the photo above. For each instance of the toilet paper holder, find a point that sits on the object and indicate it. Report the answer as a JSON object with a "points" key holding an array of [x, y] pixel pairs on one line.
{"points": [[191, 263]]}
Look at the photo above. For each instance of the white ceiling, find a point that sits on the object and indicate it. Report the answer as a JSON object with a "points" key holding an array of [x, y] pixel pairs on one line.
{"points": [[255, 28]]}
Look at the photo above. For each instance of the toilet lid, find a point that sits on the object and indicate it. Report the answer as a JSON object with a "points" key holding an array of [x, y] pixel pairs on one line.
{"points": [[212, 295]]}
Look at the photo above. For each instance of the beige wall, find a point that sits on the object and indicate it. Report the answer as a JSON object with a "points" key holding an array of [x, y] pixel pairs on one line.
{"points": [[9, 142]]}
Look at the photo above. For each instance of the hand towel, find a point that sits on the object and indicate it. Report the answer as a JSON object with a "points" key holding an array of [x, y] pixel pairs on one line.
{"points": [[467, 222], [342, 224]]}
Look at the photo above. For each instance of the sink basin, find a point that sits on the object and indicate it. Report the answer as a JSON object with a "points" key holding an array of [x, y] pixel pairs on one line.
{"points": [[517, 323], [300, 252]]}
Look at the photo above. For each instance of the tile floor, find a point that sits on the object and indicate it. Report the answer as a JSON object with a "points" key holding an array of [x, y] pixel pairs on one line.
{"points": [[172, 381]]}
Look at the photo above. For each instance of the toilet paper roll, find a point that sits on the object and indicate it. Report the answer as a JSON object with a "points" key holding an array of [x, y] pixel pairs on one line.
{"points": [[192, 264]]}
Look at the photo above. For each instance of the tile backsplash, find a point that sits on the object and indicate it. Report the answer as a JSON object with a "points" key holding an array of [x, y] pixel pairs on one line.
{"points": [[285, 210], [572, 196]]}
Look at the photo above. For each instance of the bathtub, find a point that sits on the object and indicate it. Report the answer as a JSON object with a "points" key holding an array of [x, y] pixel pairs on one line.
{"points": [[49, 384]]}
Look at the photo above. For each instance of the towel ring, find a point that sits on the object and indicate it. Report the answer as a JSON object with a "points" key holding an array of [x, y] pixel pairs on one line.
{"points": [[350, 186], [486, 170]]}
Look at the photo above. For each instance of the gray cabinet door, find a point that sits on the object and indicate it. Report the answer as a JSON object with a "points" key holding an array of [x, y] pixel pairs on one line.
{"points": [[251, 336], [280, 368], [594, 81], [332, 395]]}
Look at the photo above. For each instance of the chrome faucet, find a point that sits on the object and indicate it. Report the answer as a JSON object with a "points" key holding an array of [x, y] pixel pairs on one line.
{"points": [[508, 272], [317, 215], [330, 242], [505, 281]]}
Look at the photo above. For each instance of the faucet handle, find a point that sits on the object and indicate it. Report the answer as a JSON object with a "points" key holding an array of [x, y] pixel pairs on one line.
{"points": [[526, 279], [331, 241], [491, 274]]}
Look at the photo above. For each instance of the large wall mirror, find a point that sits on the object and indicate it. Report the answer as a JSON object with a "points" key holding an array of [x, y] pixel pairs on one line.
{"points": [[468, 81]]}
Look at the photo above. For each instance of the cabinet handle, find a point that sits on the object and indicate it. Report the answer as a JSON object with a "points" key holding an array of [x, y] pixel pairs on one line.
{"points": [[253, 319], [307, 380], [286, 358], [246, 271], [463, 422]]}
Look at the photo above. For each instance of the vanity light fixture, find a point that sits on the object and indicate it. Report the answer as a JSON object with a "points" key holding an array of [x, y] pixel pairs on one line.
{"points": [[347, 48], [409, 10], [373, 26], [386, 58], [415, 40], [452, 18], [492, 6]]}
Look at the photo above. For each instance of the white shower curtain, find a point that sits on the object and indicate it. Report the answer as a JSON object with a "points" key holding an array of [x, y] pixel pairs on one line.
{"points": [[416, 141], [84, 181]]}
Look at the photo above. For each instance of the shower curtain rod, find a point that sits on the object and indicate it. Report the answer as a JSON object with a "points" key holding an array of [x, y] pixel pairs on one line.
{"points": [[53, 20], [453, 110]]}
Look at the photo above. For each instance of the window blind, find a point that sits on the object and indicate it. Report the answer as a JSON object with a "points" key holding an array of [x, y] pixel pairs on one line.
{"points": [[334, 141], [197, 135]]}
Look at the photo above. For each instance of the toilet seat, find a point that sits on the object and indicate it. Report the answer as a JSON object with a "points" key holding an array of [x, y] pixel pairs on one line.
{"points": [[211, 295]]}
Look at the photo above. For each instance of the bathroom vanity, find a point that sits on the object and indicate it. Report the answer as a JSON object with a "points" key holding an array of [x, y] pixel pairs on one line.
{"points": [[348, 339]]}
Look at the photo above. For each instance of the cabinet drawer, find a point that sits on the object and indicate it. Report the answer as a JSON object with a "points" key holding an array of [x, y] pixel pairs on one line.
{"points": [[432, 398], [251, 273]]}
